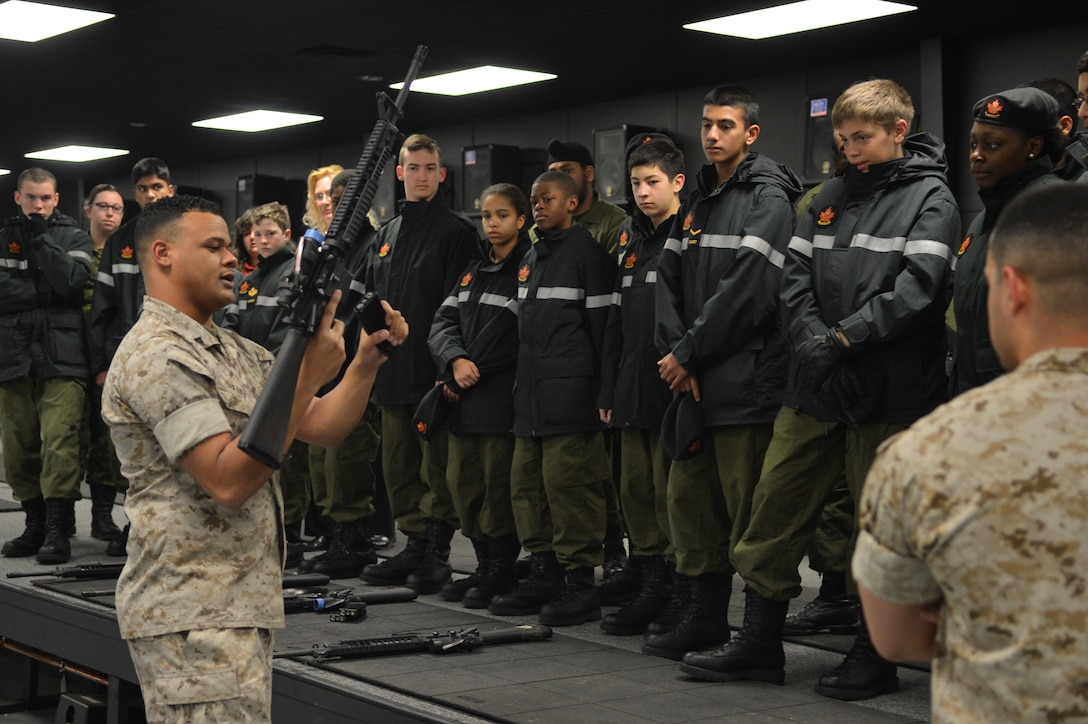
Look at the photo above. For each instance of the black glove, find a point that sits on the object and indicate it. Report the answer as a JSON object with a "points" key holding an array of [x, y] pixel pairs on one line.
{"points": [[845, 387], [37, 225], [817, 358]]}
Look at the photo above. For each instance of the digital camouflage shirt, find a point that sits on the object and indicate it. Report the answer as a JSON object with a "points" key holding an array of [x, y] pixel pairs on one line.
{"points": [[192, 563], [984, 504]]}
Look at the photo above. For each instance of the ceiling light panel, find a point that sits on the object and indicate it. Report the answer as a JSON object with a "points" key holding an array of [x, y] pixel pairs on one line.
{"points": [[76, 154], [254, 121], [31, 22], [475, 80], [798, 17]]}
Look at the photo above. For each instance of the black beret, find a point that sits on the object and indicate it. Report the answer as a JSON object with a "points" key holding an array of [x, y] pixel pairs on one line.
{"points": [[1028, 109], [434, 413], [682, 429], [559, 152], [641, 139]]}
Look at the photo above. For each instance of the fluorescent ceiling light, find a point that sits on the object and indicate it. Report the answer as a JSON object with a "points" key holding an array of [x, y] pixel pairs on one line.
{"points": [[31, 22], [4, 171], [475, 80], [77, 154], [798, 17], [253, 121]]}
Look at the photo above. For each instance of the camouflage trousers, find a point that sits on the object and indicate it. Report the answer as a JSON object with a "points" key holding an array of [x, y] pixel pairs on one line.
{"points": [[206, 675]]}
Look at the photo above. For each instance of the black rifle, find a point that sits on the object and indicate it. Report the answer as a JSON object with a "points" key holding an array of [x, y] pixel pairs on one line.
{"points": [[437, 643], [319, 272], [87, 571]]}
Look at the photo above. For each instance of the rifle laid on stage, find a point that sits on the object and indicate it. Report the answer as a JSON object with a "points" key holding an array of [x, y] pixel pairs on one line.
{"points": [[87, 572], [319, 271], [437, 643]]}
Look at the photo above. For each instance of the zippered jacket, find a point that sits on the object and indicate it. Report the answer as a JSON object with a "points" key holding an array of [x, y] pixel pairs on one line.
{"points": [[256, 313], [118, 296]]}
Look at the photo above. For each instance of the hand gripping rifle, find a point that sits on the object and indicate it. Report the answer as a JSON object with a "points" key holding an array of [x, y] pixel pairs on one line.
{"points": [[319, 272], [437, 643]]}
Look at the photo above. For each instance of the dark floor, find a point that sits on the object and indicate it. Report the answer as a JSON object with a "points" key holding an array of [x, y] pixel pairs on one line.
{"points": [[579, 675]]}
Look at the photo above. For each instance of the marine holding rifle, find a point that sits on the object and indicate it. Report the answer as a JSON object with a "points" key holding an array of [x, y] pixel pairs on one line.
{"points": [[206, 518]]}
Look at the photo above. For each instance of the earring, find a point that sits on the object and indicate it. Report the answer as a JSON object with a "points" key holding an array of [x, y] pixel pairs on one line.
{"points": [[1031, 155]]}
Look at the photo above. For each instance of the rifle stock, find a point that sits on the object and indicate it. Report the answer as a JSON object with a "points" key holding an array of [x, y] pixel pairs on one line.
{"points": [[319, 272]]}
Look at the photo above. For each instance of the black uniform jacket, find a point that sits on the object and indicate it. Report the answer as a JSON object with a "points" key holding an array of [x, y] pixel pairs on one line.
{"points": [[717, 289], [256, 313], [631, 385], [414, 261], [564, 290], [874, 255], [118, 296], [479, 322]]}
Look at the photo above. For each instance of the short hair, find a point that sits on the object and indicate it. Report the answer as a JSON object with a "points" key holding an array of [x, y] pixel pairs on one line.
{"points": [[511, 193], [158, 218], [419, 142], [150, 166], [878, 101], [1082, 64], [660, 153], [564, 181], [275, 211], [1066, 96], [312, 218], [735, 96], [36, 175], [99, 189], [1042, 233]]}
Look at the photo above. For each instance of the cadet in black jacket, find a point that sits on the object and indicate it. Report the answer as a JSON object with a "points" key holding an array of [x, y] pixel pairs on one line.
{"points": [[866, 283], [717, 329], [45, 262], [560, 467], [415, 261], [474, 340], [633, 395]]}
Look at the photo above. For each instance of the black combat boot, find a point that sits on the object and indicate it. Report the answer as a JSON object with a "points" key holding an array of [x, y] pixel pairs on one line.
{"points": [[434, 570], [58, 514], [394, 571], [863, 674], [577, 603], [650, 603], [102, 499], [499, 578], [349, 551], [544, 583], [292, 533], [679, 599], [119, 546], [319, 527], [754, 654], [455, 590], [30, 540], [621, 588], [704, 623], [615, 554], [832, 611]]}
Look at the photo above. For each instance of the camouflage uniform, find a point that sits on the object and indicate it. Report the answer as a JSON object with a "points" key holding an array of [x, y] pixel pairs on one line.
{"points": [[193, 565], [982, 504]]}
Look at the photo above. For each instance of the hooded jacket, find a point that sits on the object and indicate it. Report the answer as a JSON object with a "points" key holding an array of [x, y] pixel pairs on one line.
{"points": [[564, 291], [974, 361], [479, 321], [630, 383], [717, 289], [873, 255], [41, 299]]}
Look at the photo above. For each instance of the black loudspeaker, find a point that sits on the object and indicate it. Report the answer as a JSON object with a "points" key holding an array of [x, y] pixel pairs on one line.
{"points": [[820, 146], [390, 190], [255, 189], [610, 164], [483, 166]]}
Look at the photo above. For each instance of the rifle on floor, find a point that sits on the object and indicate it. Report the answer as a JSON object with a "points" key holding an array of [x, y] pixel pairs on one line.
{"points": [[437, 643], [85, 572]]}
